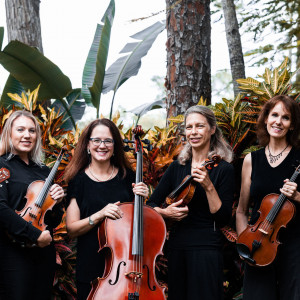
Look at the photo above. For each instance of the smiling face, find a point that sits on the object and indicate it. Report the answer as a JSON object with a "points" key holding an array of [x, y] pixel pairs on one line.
{"points": [[198, 131], [23, 136], [278, 121], [102, 152]]}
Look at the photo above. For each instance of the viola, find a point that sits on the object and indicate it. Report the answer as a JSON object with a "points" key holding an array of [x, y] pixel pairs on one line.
{"points": [[187, 187], [131, 245], [38, 203], [258, 243]]}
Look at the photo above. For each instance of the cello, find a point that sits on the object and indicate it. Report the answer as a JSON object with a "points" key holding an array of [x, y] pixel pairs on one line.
{"points": [[258, 243], [131, 244]]}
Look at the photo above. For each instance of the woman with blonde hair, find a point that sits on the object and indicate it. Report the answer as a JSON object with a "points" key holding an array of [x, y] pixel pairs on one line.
{"points": [[25, 273], [195, 262]]}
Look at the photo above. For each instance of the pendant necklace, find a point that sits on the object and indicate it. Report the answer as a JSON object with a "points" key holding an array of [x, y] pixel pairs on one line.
{"points": [[274, 158], [111, 175]]}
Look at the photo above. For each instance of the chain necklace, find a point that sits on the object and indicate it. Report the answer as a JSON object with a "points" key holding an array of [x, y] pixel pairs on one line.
{"points": [[274, 158], [111, 175]]}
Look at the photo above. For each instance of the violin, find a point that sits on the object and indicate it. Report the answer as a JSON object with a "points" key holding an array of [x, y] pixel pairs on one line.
{"points": [[258, 243], [131, 245], [38, 203], [187, 187]]}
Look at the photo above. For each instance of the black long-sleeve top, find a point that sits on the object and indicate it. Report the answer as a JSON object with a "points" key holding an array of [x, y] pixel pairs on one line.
{"points": [[200, 228], [12, 197]]}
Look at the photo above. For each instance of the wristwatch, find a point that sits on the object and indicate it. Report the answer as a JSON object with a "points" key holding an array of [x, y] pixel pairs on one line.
{"points": [[91, 222]]}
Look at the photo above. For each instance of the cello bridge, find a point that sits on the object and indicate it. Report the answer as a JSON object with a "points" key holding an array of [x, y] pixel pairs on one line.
{"points": [[135, 275], [263, 231]]}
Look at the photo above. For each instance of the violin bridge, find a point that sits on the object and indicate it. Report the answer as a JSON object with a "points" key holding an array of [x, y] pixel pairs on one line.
{"points": [[263, 231]]}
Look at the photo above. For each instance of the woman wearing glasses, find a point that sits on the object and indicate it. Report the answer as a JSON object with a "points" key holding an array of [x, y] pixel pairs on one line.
{"points": [[100, 178]]}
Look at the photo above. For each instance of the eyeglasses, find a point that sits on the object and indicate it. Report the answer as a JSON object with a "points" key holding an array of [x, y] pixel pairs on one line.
{"points": [[97, 142]]}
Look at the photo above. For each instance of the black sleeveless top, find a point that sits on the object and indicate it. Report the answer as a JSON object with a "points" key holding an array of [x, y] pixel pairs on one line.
{"points": [[266, 179]]}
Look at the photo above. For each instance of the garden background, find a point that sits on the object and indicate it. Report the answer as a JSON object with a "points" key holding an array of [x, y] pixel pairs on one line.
{"points": [[262, 47]]}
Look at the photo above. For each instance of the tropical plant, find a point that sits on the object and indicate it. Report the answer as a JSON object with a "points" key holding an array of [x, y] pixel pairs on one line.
{"points": [[29, 68]]}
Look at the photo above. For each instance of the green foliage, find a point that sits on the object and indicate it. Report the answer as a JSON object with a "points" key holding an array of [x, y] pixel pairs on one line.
{"points": [[279, 17]]}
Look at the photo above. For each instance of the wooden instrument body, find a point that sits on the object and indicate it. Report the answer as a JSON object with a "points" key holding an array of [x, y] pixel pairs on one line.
{"points": [[186, 189], [186, 194], [264, 232], [33, 213], [115, 239]]}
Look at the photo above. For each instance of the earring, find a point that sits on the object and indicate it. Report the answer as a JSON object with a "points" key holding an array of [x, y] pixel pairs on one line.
{"points": [[88, 151]]}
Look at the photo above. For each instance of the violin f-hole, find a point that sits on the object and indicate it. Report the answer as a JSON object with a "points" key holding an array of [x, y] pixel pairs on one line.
{"points": [[118, 273]]}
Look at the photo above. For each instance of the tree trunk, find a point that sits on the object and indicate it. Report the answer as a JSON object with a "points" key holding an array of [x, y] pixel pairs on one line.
{"points": [[297, 83], [23, 22], [234, 43], [188, 54]]}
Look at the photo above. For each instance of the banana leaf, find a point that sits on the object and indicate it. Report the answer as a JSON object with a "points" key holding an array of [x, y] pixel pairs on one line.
{"points": [[129, 65], [144, 108], [94, 69], [13, 86], [73, 108], [30, 67]]}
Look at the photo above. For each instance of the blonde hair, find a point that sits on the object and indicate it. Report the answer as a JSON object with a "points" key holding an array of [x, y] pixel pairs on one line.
{"points": [[218, 145], [6, 145]]}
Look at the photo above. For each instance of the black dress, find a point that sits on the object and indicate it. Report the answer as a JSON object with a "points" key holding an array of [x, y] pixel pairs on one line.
{"points": [[92, 196], [281, 279], [25, 273], [195, 262]]}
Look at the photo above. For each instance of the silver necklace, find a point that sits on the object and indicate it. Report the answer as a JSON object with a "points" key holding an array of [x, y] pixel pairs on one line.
{"points": [[111, 175], [274, 158]]}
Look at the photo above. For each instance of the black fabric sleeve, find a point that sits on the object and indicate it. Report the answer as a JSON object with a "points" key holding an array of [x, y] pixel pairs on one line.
{"points": [[225, 191], [73, 189], [164, 187], [12, 222]]}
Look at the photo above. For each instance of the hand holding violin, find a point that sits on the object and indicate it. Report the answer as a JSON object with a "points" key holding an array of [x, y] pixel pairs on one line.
{"points": [[289, 189], [57, 193], [44, 239], [201, 175], [174, 211]]}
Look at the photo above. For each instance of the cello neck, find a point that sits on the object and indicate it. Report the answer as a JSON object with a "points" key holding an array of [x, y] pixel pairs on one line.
{"points": [[137, 236]]}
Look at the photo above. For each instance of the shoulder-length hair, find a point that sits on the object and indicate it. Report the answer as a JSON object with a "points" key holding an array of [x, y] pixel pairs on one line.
{"points": [[82, 159], [6, 145], [217, 143], [292, 107]]}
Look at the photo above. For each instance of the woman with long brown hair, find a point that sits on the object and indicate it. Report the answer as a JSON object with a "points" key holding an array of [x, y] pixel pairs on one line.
{"points": [[268, 171], [100, 178], [25, 273]]}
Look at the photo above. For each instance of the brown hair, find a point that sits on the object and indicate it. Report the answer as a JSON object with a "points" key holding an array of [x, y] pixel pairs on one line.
{"points": [[6, 145], [81, 158], [292, 107]]}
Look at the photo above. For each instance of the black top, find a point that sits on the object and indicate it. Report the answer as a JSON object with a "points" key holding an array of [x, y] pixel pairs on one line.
{"points": [[92, 196], [200, 228], [12, 193], [266, 179]]}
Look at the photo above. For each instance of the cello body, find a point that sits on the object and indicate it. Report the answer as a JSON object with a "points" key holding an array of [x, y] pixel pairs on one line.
{"points": [[131, 244], [125, 274], [258, 243]]}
